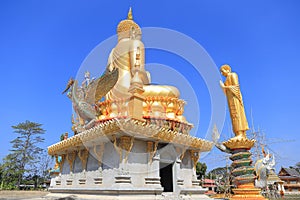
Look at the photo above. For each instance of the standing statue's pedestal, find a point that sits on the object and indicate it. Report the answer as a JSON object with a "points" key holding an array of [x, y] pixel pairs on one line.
{"points": [[242, 170]]}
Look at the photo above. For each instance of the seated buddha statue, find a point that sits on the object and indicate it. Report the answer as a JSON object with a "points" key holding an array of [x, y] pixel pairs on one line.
{"points": [[123, 57]]}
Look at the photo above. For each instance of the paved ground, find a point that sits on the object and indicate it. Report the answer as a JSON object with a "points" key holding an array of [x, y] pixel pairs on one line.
{"points": [[13, 194], [41, 195], [31, 195]]}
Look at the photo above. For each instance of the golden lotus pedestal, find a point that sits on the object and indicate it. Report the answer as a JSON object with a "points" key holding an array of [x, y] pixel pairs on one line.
{"points": [[242, 170]]}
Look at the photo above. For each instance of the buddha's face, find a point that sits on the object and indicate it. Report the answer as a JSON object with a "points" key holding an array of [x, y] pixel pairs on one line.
{"points": [[126, 37], [225, 72]]}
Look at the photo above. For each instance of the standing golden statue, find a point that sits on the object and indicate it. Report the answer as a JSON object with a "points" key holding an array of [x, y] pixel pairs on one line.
{"points": [[239, 146], [232, 91]]}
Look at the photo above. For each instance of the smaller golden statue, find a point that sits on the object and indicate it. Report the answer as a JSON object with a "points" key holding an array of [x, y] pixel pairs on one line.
{"points": [[243, 179], [232, 91]]}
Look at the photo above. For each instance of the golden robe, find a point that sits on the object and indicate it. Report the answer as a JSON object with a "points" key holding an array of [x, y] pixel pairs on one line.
{"points": [[123, 57], [235, 104]]}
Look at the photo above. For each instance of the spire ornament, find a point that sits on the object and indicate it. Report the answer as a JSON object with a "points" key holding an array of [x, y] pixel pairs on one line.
{"points": [[129, 15]]}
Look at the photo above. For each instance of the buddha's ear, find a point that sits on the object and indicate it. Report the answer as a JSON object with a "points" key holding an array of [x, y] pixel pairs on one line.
{"points": [[138, 36], [132, 33]]}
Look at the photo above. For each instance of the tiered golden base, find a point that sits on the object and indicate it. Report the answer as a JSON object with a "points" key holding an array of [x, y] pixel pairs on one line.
{"points": [[247, 191], [244, 190]]}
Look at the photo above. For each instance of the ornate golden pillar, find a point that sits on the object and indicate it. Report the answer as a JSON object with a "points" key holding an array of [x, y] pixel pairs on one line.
{"points": [[83, 155], [126, 144], [151, 149], [70, 158]]}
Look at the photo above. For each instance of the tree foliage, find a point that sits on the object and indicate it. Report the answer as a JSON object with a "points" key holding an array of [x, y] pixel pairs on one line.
{"points": [[9, 172], [24, 153], [200, 170], [220, 171]]}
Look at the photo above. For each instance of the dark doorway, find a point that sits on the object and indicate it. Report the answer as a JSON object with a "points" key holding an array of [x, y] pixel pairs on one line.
{"points": [[166, 176]]}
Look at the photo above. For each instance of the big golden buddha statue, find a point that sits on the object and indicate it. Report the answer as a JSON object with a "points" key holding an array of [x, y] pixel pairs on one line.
{"points": [[124, 57], [109, 95]]}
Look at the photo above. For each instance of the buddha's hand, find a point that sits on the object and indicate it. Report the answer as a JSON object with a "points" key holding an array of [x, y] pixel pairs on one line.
{"points": [[223, 87], [222, 84]]}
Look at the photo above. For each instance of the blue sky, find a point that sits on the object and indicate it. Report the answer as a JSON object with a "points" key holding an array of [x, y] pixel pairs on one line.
{"points": [[43, 43]]}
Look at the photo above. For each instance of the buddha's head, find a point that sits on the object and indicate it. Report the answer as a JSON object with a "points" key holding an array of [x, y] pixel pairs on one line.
{"points": [[225, 70], [128, 28]]}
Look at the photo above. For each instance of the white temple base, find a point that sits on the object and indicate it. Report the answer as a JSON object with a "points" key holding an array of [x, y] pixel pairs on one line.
{"points": [[160, 176]]}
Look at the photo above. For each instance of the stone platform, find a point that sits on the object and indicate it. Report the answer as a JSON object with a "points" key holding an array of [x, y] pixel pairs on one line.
{"points": [[114, 160]]}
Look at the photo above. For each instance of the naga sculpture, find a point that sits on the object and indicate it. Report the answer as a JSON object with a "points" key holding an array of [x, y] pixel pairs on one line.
{"points": [[263, 167], [85, 96], [271, 185]]}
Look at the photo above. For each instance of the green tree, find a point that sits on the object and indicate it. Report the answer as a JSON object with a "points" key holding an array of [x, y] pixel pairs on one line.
{"points": [[25, 151], [219, 170], [200, 170], [9, 172]]}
